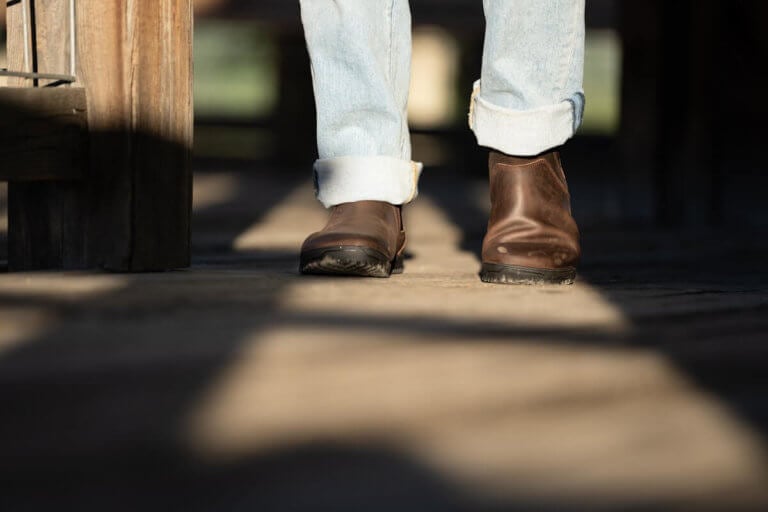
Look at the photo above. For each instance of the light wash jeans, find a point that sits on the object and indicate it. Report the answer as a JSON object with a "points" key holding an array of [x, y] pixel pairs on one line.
{"points": [[529, 97]]}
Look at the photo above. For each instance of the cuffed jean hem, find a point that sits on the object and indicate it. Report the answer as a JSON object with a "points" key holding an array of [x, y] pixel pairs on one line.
{"points": [[347, 179], [524, 133]]}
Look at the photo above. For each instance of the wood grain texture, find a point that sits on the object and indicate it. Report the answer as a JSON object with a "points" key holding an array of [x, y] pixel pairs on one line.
{"points": [[135, 64], [42, 134], [135, 60], [47, 221]]}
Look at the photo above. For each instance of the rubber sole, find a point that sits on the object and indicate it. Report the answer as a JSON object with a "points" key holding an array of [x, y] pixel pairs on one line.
{"points": [[512, 274], [349, 261]]}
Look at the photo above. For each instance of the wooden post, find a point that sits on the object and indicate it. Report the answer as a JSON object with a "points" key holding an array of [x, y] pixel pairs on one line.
{"points": [[45, 220], [136, 65], [132, 211]]}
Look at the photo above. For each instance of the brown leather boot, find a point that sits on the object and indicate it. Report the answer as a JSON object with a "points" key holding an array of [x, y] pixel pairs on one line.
{"points": [[532, 237], [363, 238]]}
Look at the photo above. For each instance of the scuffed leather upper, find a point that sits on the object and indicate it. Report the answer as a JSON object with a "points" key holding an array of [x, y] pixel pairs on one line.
{"points": [[372, 224], [530, 223]]}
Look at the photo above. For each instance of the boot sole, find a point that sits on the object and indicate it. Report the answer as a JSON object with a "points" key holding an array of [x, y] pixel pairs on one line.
{"points": [[513, 274], [349, 261]]}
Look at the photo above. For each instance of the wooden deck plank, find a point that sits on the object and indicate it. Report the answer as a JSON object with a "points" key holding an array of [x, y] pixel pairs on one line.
{"points": [[640, 387]]}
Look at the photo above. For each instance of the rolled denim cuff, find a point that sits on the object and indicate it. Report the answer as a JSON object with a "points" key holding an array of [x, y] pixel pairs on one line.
{"points": [[347, 179], [524, 132]]}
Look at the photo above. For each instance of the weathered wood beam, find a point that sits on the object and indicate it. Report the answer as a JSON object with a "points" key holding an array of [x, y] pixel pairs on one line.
{"points": [[42, 134], [46, 221], [136, 64], [132, 211]]}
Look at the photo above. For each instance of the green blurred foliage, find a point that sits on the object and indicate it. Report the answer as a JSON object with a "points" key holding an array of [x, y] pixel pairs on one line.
{"points": [[602, 82], [235, 69]]}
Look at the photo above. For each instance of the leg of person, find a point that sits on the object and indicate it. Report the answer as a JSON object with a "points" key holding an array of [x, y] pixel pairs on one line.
{"points": [[360, 52], [528, 102]]}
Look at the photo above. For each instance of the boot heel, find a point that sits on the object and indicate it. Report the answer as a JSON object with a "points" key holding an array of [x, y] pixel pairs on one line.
{"points": [[512, 274], [399, 264]]}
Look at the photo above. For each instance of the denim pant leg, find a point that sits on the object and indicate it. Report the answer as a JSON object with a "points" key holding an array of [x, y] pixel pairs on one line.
{"points": [[529, 98], [360, 52]]}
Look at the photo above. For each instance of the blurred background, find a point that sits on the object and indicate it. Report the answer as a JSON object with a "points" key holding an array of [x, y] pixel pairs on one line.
{"points": [[238, 385]]}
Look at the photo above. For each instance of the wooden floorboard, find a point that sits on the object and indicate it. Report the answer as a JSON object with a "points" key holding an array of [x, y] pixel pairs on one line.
{"points": [[240, 385]]}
